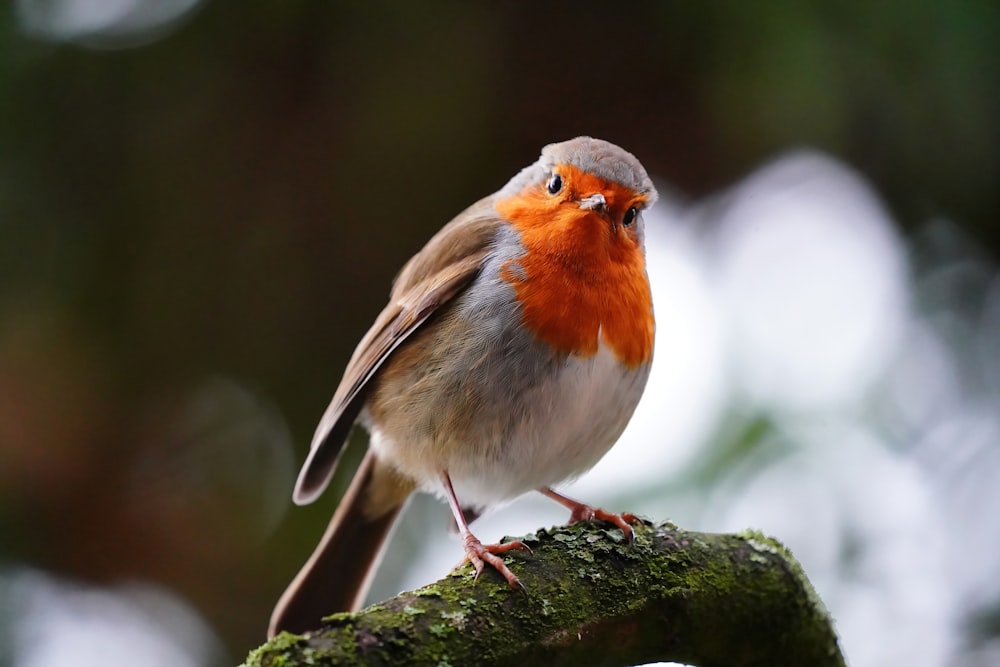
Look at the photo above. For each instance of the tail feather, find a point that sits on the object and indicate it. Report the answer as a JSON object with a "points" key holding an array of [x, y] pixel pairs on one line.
{"points": [[338, 574]]}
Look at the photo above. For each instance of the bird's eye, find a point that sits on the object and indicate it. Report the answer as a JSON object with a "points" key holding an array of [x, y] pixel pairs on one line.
{"points": [[555, 184], [630, 216]]}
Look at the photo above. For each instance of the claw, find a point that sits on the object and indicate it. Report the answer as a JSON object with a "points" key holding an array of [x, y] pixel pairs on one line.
{"points": [[623, 520], [479, 554], [583, 512]]}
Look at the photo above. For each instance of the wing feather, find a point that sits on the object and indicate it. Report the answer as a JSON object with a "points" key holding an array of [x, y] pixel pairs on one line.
{"points": [[432, 278]]}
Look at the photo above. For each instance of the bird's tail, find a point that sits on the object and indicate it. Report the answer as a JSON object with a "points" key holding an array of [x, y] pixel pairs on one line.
{"points": [[338, 574]]}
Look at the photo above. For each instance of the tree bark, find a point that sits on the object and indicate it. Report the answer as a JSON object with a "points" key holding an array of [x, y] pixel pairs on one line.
{"points": [[592, 599]]}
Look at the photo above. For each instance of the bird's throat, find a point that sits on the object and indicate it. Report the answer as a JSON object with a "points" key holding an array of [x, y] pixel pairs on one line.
{"points": [[577, 284]]}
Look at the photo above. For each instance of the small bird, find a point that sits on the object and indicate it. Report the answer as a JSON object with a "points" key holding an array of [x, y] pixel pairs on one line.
{"points": [[512, 353]]}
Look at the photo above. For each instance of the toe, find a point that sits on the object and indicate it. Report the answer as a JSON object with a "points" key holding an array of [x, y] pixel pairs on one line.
{"points": [[507, 546], [479, 554]]}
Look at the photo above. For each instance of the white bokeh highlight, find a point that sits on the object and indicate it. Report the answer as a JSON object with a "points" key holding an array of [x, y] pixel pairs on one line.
{"points": [[61, 622], [101, 23], [811, 274]]}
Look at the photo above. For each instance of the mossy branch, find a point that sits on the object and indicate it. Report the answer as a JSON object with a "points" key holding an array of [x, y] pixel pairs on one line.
{"points": [[592, 599]]}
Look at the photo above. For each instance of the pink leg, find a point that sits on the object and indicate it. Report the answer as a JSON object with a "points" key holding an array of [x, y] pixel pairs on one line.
{"points": [[475, 551], [581, 512]]}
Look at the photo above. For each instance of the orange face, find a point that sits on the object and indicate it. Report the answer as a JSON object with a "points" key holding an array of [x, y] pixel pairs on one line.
{"points": [[583, 276]]}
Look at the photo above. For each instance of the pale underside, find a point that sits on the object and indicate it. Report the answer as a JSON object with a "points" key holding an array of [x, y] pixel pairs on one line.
{"points": [[568, 423]]}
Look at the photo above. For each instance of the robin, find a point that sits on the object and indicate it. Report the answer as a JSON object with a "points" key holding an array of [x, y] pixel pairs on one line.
{"points": [[512, 353]]}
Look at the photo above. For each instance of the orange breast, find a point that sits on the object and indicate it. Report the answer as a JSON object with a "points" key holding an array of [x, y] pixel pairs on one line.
{"points": [[582, 278]]}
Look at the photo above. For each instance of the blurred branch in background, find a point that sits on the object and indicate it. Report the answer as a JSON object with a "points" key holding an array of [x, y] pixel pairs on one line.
{"points": [[202, 205]]}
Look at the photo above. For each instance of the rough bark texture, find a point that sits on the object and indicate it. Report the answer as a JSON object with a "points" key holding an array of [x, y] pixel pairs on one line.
{"points": [[592, 599]]}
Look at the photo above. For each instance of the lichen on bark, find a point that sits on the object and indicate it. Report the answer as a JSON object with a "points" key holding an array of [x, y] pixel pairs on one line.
{"points": [[591, 598]]}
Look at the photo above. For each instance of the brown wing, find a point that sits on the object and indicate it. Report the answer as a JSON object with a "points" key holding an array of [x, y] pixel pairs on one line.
{"points": [[432, 278]]}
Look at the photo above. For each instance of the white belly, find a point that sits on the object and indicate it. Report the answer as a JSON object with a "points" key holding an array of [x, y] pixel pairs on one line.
{"points": [[562, 426]]}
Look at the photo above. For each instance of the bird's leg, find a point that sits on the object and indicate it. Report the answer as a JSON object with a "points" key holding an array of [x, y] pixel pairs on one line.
{"points": [[581, 512], [475, 551]]}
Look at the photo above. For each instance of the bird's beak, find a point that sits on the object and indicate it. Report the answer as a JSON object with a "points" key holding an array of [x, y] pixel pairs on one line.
{"points": [[594, 202]]}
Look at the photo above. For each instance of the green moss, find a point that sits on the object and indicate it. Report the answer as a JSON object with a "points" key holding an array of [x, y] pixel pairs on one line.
{"points": [[278, 652], [546, 607], [429, 591], [764, 547], [560, 605], [440, 629]]}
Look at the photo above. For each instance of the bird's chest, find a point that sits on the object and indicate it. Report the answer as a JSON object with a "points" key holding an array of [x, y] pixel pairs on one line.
{"points": [[579, 287], [509, 392], [504, 428], [500, 434], [574, 416]]}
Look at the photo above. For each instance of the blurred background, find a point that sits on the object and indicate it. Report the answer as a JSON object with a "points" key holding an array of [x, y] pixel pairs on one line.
{"points": [[203, 203]]}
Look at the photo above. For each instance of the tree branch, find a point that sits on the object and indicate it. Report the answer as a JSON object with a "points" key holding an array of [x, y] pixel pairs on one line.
{"points": [[592, 599]]}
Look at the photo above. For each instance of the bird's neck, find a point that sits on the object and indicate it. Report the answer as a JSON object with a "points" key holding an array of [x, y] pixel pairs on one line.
{"points": [[578, 287]]}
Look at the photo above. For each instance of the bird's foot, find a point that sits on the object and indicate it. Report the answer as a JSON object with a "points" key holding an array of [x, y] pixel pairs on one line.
{"points": [[623, 520], [479, 554], [583, 512]]}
